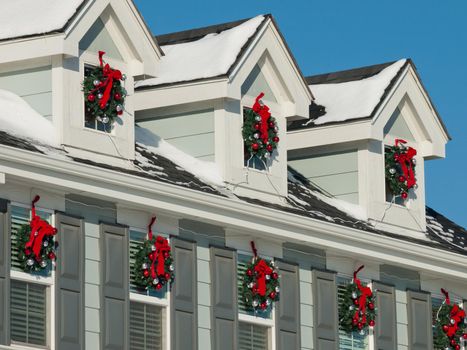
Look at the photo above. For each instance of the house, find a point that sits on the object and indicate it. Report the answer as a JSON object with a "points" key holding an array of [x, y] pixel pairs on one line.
{"points": [[318, 205]]}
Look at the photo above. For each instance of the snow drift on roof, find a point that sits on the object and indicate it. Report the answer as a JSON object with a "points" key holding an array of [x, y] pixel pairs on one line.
{"points": [[353, 99], [18, 118], [208, 57], [29, 17]]}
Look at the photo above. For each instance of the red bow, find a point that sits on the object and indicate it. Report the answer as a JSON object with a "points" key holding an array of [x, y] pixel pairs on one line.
{"points": [[39, 230], [264, 113], [262, 269], [365, 292], [405, 161], [162, 249], [110, 75]]}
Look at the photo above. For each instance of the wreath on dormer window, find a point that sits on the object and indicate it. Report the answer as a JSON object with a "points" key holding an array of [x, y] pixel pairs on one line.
{"points": [[104, 94], [400, 168], [259, 131]]}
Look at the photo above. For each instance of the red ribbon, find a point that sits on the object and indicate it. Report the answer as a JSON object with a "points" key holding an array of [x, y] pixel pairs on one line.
{"points": [[365, 292], [405, 161], [109, 75], [262, 269], [162, 249], [446, 296], [153, 220], [39, 230], [264, 113]]}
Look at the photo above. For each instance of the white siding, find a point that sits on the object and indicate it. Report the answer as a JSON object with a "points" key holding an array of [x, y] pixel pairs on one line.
{"points": [[336, 173], [34, 85]]}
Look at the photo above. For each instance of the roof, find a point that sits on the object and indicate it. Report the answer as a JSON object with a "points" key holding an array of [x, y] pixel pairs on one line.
{"points": [[303, 198]]}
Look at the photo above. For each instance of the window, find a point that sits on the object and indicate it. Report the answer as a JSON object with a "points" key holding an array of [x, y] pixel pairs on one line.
{"points": [[390, 197], [89, 121], [148, 309], [252, 161], [255, 330], [31, 294], [353, 341]]}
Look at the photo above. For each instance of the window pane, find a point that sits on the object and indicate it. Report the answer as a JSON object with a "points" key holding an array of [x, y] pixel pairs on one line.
{"points": [[145, 327], [28, 313], [252, 337]]}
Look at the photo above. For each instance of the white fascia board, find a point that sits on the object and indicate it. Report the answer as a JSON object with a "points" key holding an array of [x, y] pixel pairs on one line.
{"points": [[136, 191], [177, 94], [329, 134]]}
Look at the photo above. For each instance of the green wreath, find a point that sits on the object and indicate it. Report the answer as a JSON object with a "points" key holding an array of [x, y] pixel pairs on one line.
{"points": [[153, 267], [104, 94], [400, 168], [29, 262], [259, 131], [260, 287]]}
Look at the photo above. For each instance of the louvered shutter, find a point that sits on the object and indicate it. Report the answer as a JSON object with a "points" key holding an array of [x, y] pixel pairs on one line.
{"points": [[385, 328], [70, 278], [4, 270], [252, 337], [115, 281], [184, 296], [325, 310], [288, 308], [28, 313], [145, 326], [224, 298], [419, 317]]}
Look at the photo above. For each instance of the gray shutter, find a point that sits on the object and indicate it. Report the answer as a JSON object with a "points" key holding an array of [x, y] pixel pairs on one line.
{"points": [[184, 296], [4, 271], [70, 278], [325, 310], [385, 328], [419, 317], [115, 284], [288, 308], [224, 298]]}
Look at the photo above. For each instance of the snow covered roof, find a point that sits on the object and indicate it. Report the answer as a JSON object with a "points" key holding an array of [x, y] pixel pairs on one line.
{"points": [[21, 18], [202, 53]]}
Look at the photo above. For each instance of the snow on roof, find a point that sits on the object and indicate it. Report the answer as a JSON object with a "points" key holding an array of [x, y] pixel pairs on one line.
{"points": [[208, 57], [352, 99], [29, 17], [18, 118]]}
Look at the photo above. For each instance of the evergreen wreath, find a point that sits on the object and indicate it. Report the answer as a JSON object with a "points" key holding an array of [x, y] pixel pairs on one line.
{"points": [[259, 131], [449, 327], [260, 287], [104, 94], [357, 308], [400, 168], [153, 267], [35, 243]]}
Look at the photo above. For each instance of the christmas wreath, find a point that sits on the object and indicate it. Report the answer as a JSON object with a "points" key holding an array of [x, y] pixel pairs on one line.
{"points": [[357, 306], [153, 267], [260, 287], [449, 328], [259, 131], [104, 94], [35, 243], [400, 168]]}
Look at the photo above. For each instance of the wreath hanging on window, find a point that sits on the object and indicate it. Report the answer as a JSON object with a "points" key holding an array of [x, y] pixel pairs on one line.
{"points": [[259, 131], [400, 168], [260, 287], [35, 243], [450, 330], [357, 309], [104, 94], [153, 267]]}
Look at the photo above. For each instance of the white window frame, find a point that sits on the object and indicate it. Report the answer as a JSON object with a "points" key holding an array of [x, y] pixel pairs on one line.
{"points": [[154, 300], [269, 323], [48, 281]]}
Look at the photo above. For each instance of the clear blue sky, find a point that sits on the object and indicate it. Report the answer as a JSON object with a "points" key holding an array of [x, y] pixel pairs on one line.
{"points": [[330, 35]]}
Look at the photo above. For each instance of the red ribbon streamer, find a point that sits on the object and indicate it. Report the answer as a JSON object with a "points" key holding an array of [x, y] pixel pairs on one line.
{"points": [[150, 234], [162, 248], [262, 269], [110, 75], [405, 161], [365, 293], [264, 113], [446, 296], [253, 248], [39, 230]]}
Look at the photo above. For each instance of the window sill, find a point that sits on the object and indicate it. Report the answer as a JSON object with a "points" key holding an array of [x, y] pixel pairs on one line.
{"points": [[269, 322]]}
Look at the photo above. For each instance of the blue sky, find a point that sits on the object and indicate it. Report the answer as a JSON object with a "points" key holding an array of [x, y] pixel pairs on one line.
{"points": [[333, 35]]}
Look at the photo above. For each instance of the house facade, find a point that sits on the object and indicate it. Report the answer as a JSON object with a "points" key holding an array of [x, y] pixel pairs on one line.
{"points": [[318, 206]]}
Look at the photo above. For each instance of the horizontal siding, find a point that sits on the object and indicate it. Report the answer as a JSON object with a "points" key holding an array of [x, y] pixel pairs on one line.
{"points": [[33, 85]]}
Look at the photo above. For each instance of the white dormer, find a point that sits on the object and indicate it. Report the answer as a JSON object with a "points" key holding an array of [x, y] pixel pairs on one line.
{"points": [[358, 113], [206, 80]]}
